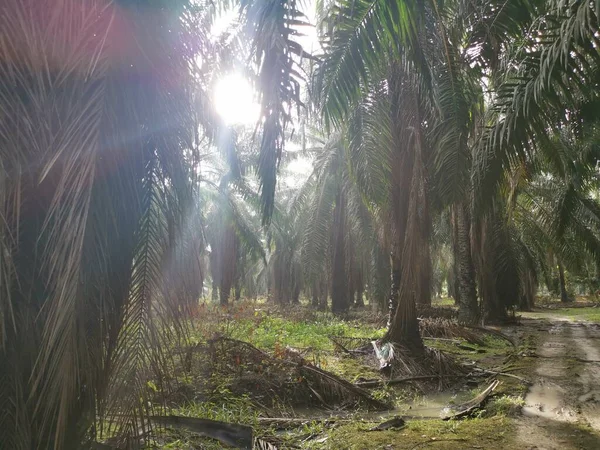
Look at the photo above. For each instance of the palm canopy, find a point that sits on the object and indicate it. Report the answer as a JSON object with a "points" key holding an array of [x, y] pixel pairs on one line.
{"points": [[549, 79]]}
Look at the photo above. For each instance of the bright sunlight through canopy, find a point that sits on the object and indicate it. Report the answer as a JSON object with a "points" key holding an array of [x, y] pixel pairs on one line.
{"points": [[234, 100]]}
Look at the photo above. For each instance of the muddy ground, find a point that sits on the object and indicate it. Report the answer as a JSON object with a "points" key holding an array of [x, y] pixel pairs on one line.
{"points": [[559, 356], [562, 407]]}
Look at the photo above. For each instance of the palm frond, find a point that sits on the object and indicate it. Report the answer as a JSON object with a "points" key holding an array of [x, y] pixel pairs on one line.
{"points": [[358, 37], [272, 25], [556, 68], [96, 179]]}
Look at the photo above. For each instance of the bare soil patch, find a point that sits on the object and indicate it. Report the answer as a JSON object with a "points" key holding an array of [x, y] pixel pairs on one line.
{"points": [[562, 406]]}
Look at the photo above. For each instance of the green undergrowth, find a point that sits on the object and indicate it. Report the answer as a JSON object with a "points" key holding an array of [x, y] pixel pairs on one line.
{"points": [[492, 348], [223, 406], [587, 313], [268, 330], [507, 405], [349, 368], [480, 432], [444, 301], [309, 331]]}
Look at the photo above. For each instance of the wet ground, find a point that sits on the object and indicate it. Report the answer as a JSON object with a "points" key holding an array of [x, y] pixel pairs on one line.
{"points": [[562, 407]]}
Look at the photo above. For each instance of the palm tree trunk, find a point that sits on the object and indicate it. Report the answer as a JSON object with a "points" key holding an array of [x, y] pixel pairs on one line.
{"points": [[394, 291], [486, 242], [410, 220], [360, 303], [468, 310], [224, 292], [403, 326], [564, 296], [228, 262], [425, 298], [323, 299], [281, 289], [526, 301], [296, 293], [597, 284], [339, 291], [314, 295], [238, 291], [215, 266]]}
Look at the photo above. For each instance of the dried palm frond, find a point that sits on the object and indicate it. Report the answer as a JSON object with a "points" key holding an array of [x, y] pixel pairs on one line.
{"points": [[448, 329], [432, 362], [285, 376]]}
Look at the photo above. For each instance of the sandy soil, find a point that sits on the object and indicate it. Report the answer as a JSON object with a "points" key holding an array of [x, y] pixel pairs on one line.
{"points": [[562, 409]]}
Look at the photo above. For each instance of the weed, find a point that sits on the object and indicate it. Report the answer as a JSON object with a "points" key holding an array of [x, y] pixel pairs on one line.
{"points": [[507, 405]]}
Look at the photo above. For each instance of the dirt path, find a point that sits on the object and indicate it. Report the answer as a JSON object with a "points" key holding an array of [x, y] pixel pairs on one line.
{"points": [[562, 407]]}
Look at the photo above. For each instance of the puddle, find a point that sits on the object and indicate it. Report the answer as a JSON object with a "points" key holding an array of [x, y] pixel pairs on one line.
{"points": [[546, 399], [565, 390], [430, 406]]}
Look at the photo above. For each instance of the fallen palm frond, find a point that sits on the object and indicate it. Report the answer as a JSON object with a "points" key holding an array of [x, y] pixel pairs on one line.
{"points": [[402, 363], [467, 408], [493, 332], [430, 327], [503, 374], [352, 345], [390, 424], [282, 378], [448, 329], [337, 387], [239, 436], [436, 312], [269, 443], [395, 381], [281, 423]]}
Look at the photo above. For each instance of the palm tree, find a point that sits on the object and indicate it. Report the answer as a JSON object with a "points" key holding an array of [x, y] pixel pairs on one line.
{"points": [[271, 26], [235, 243], [558, 199], [326, 235], [98, 161], [377, 63], [285, 266]]}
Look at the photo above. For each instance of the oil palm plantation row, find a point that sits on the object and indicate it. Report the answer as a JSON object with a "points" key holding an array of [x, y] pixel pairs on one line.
{"points": [[457, 141], [445, 91]]}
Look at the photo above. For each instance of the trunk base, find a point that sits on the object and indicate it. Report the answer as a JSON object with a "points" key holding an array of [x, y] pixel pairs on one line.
{"points": [[398, 361]]}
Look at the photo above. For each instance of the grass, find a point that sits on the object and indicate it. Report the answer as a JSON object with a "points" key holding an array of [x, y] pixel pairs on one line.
{"points": [[588, 314], [507, 405], [268, 332], [482, 432], [222, 406], [299, 329], [444, 301], [493, 348]]}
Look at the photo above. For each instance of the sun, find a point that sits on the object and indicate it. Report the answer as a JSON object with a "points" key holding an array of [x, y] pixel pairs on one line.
{"points": [[234, 100]]}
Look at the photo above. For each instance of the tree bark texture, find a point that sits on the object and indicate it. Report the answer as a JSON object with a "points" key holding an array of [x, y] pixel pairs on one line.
{"points": [[468, 309], [339, 278], [564, 296]]}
